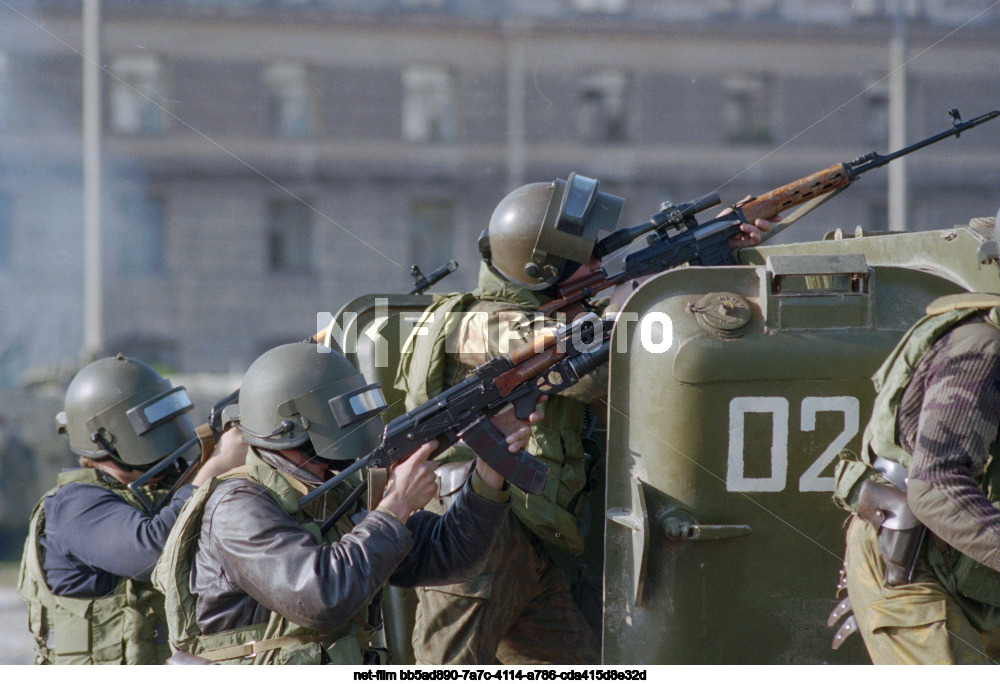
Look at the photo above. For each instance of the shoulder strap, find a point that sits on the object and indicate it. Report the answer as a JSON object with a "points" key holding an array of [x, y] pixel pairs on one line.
{"points": [[964, 300], [421, 369], [897, 371], [498, 291]]}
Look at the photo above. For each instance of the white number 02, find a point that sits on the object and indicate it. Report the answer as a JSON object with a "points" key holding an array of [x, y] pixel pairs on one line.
{"points": [[811, 481]]}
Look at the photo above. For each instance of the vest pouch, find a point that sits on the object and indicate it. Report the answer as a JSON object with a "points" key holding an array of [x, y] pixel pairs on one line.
{"points": [[344, 651], [976, 581], [549, 522], [107, 629], [297, 654], [71, 637], [145, 633], [848, 473]]}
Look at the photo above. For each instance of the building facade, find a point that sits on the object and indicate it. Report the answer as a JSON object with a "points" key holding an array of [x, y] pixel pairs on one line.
{"points": [[268, 160]]}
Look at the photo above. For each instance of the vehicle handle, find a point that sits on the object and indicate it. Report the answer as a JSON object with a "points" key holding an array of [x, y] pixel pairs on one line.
{"points": [[680, 525]]}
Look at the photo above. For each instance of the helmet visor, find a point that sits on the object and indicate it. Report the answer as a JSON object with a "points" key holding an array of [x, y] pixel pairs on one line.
{"points": [[340, 417], [158, 410], [357, 405], [577, 201]]}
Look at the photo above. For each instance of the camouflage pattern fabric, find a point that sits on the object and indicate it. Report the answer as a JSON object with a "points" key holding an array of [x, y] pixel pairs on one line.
{"points": [[917, 623], [947, 421], [519, 611]]}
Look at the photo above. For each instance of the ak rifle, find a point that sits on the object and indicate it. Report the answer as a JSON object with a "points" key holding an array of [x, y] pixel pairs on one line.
{"points": [[422, 283], [706, 244], [546, 365]]}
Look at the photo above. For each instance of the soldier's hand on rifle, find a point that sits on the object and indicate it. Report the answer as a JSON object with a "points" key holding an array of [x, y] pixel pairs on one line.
{"points": [[752, 233], [229, 453], [412, 483], [518, 433]]}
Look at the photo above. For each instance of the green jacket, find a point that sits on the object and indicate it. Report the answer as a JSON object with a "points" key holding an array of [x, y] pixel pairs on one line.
{"points": [[425, 370], [115, 629], [277, 641]]}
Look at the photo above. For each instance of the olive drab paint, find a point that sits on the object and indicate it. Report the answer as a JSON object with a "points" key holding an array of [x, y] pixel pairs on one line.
{"points": [[732, 390]]}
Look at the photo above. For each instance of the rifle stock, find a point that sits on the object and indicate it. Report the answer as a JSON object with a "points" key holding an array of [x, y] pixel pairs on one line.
{"points": [[797, 192]]}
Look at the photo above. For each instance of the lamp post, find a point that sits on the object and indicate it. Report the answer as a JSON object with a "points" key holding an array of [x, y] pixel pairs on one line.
{"points": [[93, 305]]}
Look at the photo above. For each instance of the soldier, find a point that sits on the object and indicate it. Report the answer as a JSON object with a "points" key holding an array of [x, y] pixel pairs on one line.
{"points": [[520, 610], [250, 578], [91, 544], [923, 548]]}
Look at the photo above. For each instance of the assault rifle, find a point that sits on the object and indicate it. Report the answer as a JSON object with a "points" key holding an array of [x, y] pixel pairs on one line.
{"points": [[706, 244], [547, 365], [422, 283]]}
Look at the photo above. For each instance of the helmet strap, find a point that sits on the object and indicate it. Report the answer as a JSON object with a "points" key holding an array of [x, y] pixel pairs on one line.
{"points": [[100, 440]]}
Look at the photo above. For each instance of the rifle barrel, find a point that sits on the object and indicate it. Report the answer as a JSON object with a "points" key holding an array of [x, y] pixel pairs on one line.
{"points": [[874, 160]]}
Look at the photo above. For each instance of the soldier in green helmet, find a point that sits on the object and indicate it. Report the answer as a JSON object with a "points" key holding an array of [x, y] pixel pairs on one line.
{"points": [[923, 548], [250, 577], [520, 610], [92, 545]]}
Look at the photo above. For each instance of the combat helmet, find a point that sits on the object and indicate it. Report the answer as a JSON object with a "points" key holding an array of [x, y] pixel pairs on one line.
{"points": [[121, 408], [299, 394], [540, 230]]}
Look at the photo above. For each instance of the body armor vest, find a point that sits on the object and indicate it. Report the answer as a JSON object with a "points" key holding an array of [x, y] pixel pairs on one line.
{"points": [[128, 626], [556, 440], [277, 641]]}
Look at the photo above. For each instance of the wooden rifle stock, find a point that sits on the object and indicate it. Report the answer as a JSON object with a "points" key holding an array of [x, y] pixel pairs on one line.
{"points": [[581, 291], [796, 193], [528, 368]]}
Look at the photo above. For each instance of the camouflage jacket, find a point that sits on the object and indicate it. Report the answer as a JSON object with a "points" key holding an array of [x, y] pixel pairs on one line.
{"points": [[947, 422]]}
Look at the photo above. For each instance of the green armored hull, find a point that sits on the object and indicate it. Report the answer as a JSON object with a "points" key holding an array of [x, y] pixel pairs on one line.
{"points": [[732, 389]]}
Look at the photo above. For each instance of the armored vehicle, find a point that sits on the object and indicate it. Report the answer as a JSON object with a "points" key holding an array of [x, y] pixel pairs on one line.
{"points": [[712, 537]]}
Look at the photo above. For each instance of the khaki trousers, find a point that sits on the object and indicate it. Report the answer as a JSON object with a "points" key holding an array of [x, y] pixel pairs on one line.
{"points": [[911, 624]]}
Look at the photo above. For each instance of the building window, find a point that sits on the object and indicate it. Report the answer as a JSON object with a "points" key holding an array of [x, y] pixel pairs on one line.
{"points": [[876, 114], [429, 105], [601, 6], [601, 116], [747, 115], [141, 246], [289, 99], [432, 226], [290, 237], [137, 95]]}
